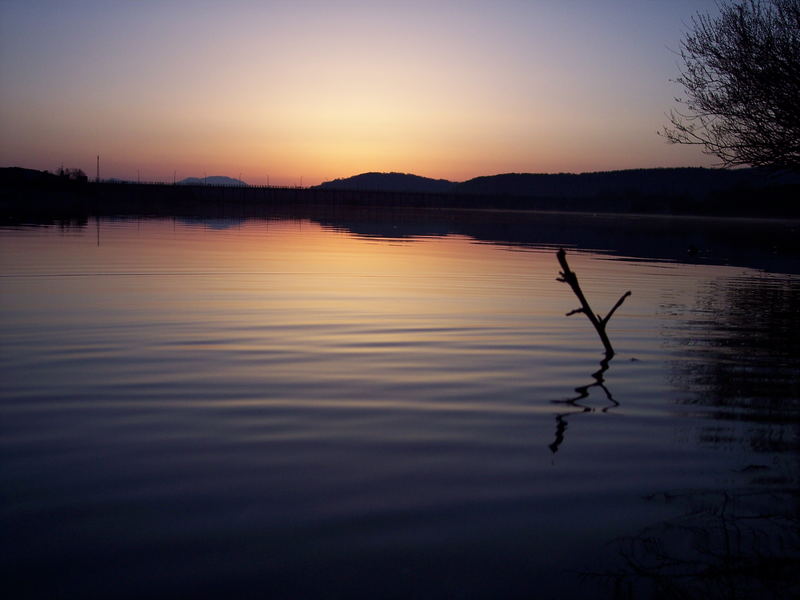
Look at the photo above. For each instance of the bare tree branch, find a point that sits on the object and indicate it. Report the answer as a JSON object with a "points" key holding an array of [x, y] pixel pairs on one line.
{"points": [[741, 76], [616, 306], [569, 277]]}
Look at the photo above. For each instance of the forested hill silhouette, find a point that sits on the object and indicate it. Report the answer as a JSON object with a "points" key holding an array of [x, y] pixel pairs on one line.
{"points": [[686, 191], [17, 175], [212, 180], [390, 182], [691, 182], [694, 182]]}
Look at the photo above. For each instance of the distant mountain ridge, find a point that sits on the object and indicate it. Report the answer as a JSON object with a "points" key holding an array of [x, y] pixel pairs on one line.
{"points": [[389, 182], [18, 174], [623, 190], [709, 192], [211, 180], [680, 181]]}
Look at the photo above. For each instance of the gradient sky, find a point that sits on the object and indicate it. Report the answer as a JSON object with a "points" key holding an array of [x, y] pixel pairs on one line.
{"points": [[319, 90]]}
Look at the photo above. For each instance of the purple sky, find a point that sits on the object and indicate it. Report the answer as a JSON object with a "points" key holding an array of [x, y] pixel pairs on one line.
{"points": [[329, 89]]}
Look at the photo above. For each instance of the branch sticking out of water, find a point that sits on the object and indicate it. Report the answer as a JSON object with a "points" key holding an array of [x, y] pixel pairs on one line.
{"points": [[569, 277]]}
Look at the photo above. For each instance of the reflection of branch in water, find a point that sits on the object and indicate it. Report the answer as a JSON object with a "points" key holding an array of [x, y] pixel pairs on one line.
{"points": [[583, 392], [599, 323], [728, 544]]}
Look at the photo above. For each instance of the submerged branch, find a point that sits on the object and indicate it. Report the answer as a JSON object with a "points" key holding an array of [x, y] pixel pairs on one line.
{"points": [[599, 323], [616, 306]]}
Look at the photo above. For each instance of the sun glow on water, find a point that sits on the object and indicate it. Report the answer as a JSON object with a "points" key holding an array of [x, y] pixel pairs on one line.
{"points": [[297, 393]]}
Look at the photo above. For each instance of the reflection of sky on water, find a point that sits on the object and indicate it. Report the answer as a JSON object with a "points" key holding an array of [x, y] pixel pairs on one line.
{"points": [[289, 407]]}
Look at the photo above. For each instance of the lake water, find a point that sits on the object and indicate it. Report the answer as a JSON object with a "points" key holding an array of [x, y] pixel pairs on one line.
{"points": [[398, 408]]}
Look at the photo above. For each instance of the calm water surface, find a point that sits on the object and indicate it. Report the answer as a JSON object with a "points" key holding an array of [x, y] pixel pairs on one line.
{"points": [[295, 408]]}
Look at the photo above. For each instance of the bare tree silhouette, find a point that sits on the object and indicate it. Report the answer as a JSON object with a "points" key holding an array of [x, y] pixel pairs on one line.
{"points": [[741, 77]]}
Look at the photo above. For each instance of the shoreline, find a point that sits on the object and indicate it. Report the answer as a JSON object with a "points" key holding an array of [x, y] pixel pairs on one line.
{"points": [[56, 199], [763, 242]]}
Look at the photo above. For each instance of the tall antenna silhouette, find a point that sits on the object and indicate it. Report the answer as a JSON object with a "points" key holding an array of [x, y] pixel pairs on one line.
{"points": [[98, 169]]}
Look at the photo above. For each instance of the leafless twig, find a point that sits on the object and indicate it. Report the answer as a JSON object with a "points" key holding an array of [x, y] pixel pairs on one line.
{"points": [[568, 276]]}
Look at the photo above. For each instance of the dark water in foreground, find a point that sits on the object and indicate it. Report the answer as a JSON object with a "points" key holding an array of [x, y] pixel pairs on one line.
{"points": [[283, 408]]}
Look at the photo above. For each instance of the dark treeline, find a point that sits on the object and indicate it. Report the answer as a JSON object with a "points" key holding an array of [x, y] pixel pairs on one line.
{"points": [[25, 193], [694, 183], [689, 182]]}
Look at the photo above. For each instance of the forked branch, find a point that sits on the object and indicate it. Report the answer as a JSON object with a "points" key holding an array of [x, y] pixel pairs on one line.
{"points": [[569, 277], [615, 307]]}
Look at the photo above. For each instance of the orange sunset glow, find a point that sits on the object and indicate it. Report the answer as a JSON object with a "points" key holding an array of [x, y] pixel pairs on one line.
{"points": [[302, 92]]}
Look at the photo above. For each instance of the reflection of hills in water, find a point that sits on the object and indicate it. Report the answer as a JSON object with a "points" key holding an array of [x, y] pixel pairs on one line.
{"points": [[388, 231], [218, 224], [768, 245]]}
